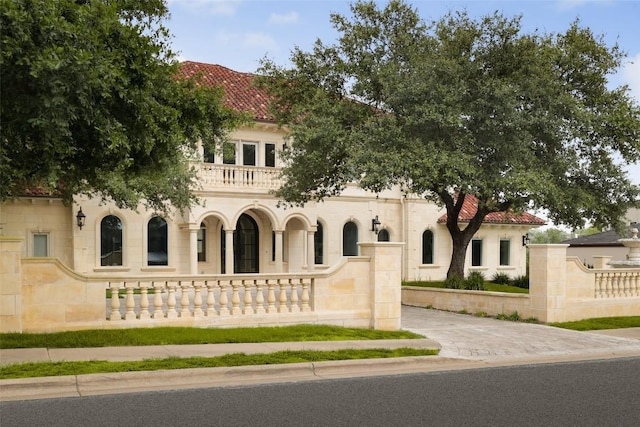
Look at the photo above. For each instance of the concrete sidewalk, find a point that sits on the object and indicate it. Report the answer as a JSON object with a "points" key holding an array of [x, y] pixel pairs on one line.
{"points": [[465, 342]]}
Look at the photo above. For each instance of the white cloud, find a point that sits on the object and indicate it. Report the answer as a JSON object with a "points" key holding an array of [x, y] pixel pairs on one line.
{"points": [[631, 75], [287, 18], [214, 7]]}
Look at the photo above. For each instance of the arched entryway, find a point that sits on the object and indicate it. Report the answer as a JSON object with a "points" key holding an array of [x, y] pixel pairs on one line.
{"points": [[246, 246]]}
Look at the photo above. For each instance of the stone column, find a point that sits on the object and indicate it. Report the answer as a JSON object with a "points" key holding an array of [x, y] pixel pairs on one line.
{"points": [[193, 250], [279, 235], [10, 284], [311, 253], [548, 281], [228, 254], [385, 269]]}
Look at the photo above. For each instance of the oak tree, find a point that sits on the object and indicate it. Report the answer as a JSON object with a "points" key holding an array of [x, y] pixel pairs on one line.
{"points": [[91, 104], [459, 107]]}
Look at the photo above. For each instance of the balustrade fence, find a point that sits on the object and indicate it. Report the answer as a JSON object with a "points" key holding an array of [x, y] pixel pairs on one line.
{"points": [[234, 176], [612, 284], [159, 299]]}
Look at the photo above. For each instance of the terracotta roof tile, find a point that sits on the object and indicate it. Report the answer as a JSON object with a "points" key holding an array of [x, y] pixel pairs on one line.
{"points": [[239, 92], [470, 207]]}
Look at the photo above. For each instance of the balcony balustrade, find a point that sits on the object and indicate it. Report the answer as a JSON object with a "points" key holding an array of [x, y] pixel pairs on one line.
{"points": [[235, 177]]}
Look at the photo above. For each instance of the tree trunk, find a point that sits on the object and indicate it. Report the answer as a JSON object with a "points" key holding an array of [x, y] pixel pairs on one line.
{"points": [[458, 256]]}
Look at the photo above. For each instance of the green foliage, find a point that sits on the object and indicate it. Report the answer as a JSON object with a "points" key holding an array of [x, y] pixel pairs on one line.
{"points": [[550, 235], [501, 278], [454, 282], [474, 281], [600, 323], [513, 317], [521, 282], [91, 104], [459, 107]]}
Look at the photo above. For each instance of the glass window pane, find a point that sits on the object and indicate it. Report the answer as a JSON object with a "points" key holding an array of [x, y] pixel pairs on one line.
{"points": [[383, 235], [505, 246], [202, 243], [157, 243], [427, 247], [350, 239], [270, 155], [41, 245], [318, 245], [249, 154], [476, 252], [110, 241]]}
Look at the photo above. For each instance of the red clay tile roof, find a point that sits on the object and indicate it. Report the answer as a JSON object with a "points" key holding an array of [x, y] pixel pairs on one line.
{"points": [[470, 207], [239, 92]]}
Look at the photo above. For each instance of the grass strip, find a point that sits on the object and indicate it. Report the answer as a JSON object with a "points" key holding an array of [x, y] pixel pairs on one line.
{"points": [[488, 286], [600, 323], [49, 369], [181, 335]]}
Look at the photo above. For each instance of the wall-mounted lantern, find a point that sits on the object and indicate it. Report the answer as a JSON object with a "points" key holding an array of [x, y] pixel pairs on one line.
{"points": [[526, 240], [375, 225], [80, 218]]}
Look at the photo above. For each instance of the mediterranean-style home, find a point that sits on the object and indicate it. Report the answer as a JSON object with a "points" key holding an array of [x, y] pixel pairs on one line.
{"points": [[239, 227]]}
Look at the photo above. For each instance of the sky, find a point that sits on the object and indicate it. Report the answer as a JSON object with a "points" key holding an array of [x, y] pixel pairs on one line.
{"points": [[239, 33]]}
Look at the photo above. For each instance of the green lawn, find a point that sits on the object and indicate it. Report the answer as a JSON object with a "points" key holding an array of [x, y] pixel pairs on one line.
{"points": [[489, 287], [49, 369], [600, 323], [168, 336]]}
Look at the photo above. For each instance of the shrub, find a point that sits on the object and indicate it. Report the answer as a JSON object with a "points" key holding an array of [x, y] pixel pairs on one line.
{"points": [[474, 281], [521, 282], [454, 282], [501, 279]]}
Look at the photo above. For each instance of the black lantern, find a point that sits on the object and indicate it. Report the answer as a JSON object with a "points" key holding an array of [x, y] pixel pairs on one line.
{"points": [[80, 217], [375, 225], [525, 240]]}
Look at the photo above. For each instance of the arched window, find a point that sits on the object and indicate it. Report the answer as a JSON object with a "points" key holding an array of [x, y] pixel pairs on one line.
{"points": [[350, 239], [318, 244], [110, 241], [157, 242], [383, 235], [427, 247]]}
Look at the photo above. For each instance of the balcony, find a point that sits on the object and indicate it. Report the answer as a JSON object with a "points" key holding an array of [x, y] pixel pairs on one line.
{"points": [[235, 177]]}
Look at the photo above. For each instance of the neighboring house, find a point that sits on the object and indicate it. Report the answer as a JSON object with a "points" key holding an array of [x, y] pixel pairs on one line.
{"points": [[600, 244], [239, 227]]}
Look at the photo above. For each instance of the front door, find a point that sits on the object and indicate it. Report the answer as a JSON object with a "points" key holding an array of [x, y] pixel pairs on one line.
{"points": [[245, 245]]}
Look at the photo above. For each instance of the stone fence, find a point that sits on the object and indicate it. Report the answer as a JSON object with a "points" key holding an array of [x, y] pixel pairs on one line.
{"points": [[561, 289], [43, 295]]}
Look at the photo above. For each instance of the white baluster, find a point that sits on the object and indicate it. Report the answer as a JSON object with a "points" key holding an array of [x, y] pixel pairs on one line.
{"points": [[211, 298], [184, 300], [224, 302], [248, 302], [235, 297], [157, 301], [171, 301], [282, 307], [305, 295], [130, 302], [115, 302], [259, 296], [197, 300], [144, 301], [271, 296], [294, 295]]}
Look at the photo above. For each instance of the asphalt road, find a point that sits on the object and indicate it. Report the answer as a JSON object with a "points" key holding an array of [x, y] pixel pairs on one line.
{"points": [[593, 393]]}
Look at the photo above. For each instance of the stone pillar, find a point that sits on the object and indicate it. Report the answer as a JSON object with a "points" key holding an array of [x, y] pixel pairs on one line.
{"points": [[601, 262], [279, 235], [10, 284], [228, 254], [548, 281], [385, 269], [311, 253], [193, 250]]}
